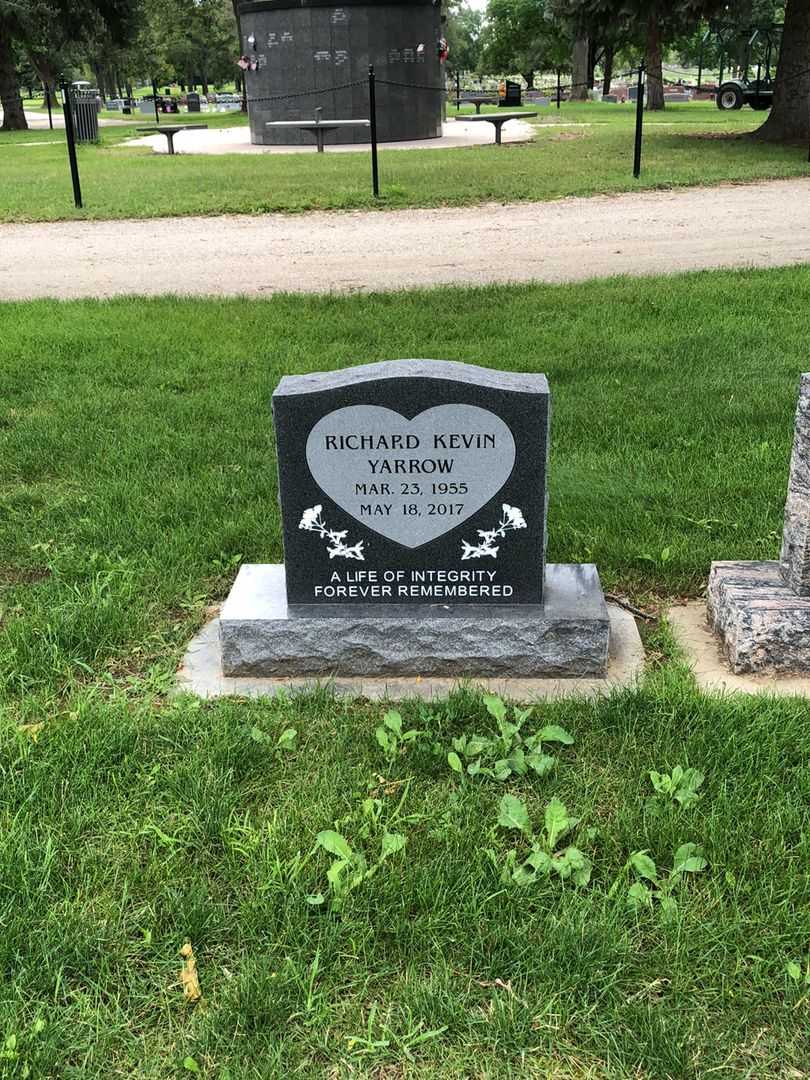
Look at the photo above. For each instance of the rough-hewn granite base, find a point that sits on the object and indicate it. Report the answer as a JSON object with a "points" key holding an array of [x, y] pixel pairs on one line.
{"points": [[565, 636], [704, 653], [201, 674], [763, 625]]}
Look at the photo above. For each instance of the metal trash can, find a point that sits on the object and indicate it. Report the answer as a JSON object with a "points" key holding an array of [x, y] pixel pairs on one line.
{"points": [[85, 114]]}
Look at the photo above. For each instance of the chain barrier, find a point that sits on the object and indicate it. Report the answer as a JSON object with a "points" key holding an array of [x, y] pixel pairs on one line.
{"points": [[308, 93], [450, 90], [412, 86], [553, 91]]}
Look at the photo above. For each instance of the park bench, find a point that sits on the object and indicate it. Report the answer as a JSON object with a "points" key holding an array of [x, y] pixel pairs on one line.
{"points": [[317, 127], [171, 131], [498, 120], [477, 100]]}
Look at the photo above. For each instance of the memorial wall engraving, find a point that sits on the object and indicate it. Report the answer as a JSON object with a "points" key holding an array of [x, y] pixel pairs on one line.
{"points": [[413, 482]]}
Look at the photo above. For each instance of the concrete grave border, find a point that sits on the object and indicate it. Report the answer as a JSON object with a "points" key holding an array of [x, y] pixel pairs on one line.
{"points": [[201, 674], [710, 667]]}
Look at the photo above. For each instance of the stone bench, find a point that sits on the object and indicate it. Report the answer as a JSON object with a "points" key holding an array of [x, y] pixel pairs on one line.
{"points": [[478, 100], [317, 127], [498, 120], [170, 131]]}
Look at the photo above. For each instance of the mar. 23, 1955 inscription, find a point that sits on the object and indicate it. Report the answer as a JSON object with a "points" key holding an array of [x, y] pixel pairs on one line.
{"points": [[413, 482]]}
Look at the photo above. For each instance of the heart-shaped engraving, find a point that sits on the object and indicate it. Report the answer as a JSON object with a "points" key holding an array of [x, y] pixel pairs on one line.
{"points": [[411, 480]]}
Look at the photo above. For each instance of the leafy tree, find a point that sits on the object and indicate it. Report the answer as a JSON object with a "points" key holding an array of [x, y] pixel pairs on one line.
{"points": [[789, 118], [183, 40], [581, 19], [464, 25], [521, 37], [654, 23], [13, 115], [729, 33], [47, 30]]}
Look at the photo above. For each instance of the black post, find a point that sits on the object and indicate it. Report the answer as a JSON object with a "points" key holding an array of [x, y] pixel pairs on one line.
{"points": [[703, 41], [458, 90], [559, 87], [70, 135], [639, 122], [372, 109], [154, 93], [48, 103]]}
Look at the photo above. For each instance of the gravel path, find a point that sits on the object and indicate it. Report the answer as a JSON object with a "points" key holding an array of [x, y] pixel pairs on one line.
{"points": [[764, 224]]}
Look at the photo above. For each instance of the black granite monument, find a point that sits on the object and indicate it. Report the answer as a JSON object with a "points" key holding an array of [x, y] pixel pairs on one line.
{"points": [[419, 482], [308, 54], [413, 496]]}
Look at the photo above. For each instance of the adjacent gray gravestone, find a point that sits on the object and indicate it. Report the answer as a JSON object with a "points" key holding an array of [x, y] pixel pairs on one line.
{"points": [[413, 497], [795, 558], [761, 609]]}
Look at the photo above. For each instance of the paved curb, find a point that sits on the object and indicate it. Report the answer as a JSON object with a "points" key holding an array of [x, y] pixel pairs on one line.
{"points": [[710, 667]]}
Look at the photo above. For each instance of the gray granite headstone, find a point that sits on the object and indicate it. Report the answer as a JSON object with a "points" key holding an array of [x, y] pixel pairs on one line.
{"points": [[413, 498], [761, 610], [795, 559]]}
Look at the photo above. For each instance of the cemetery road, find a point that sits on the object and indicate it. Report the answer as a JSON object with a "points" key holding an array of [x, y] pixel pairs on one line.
{"points": [[763, 224]]}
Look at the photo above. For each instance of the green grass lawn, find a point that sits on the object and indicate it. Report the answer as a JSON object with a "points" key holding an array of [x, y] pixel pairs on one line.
{"points": [[137, 472], [582, 149]]}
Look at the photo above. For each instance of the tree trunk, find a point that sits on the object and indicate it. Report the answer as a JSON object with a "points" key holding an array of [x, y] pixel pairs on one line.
{"points": [[789, 119], [579, 61], [529, 77], [607, 65], [98, 72], [591, 63], [13, 115], [46, 70], [655, 74]]}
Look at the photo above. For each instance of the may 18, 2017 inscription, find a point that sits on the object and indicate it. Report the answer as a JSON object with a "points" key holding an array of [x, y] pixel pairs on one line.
{"points": [[407, 472]]}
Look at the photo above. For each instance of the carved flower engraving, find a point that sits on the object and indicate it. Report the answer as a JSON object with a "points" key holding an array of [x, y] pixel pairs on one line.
{"points": [[311, 521], [511, 519]]}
